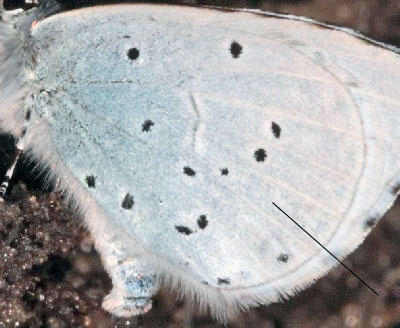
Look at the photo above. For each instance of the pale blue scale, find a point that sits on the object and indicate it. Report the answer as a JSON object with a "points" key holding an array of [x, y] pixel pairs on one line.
{"points": [[112, 96], [211, 111]]}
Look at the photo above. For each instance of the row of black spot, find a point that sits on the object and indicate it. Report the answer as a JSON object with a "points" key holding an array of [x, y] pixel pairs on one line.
{"points": [[276, 129], [236, 50], [127, 202], [202, 222], [226, 281], [190, 172], [260, 155]]}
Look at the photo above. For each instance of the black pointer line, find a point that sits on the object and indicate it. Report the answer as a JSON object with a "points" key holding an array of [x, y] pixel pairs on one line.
{"points": [[365, 284]]}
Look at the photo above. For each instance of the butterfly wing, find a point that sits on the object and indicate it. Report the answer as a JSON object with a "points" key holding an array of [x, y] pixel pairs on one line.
{"points": [[192, 122]]}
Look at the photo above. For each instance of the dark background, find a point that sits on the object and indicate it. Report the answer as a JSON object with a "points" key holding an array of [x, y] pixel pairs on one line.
{"points": [[50, 275]]}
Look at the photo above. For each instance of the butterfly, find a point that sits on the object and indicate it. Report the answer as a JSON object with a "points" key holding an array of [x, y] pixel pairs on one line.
{"points": [[181, 133]]}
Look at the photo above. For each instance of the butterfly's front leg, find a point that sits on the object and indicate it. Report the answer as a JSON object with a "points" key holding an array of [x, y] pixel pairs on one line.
{"points": [[133, 282]]}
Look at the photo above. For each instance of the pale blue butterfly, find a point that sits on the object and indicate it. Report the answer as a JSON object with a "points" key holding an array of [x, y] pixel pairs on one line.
{"points": [[176, 128]]}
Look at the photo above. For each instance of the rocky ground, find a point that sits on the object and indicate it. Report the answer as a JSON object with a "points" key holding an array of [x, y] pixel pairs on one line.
{"points": [[51, 276]]}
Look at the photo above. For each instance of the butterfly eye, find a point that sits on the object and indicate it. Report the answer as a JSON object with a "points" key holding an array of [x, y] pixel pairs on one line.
{"points": [[133, 53]]}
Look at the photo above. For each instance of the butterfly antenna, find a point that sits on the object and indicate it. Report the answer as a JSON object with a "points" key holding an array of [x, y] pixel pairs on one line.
{"points": [[8, 176]]}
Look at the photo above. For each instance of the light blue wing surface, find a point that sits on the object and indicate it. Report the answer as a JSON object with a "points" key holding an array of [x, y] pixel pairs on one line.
{"points": [[219, 115]]}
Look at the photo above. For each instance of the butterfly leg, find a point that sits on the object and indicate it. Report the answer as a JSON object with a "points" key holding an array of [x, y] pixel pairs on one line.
{"points": [[20, 148], [133, 283]]}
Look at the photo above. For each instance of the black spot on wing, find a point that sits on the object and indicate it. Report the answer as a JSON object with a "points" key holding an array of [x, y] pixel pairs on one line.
{"points": [[146, 126], [185, 230], [133, 53], [91, 181], [223, 281], [283, 258], [260, 155], [189, 171], [127, 202], [224, 171], [202, 221], [236, 49], [276, 130], [371, 222]]}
